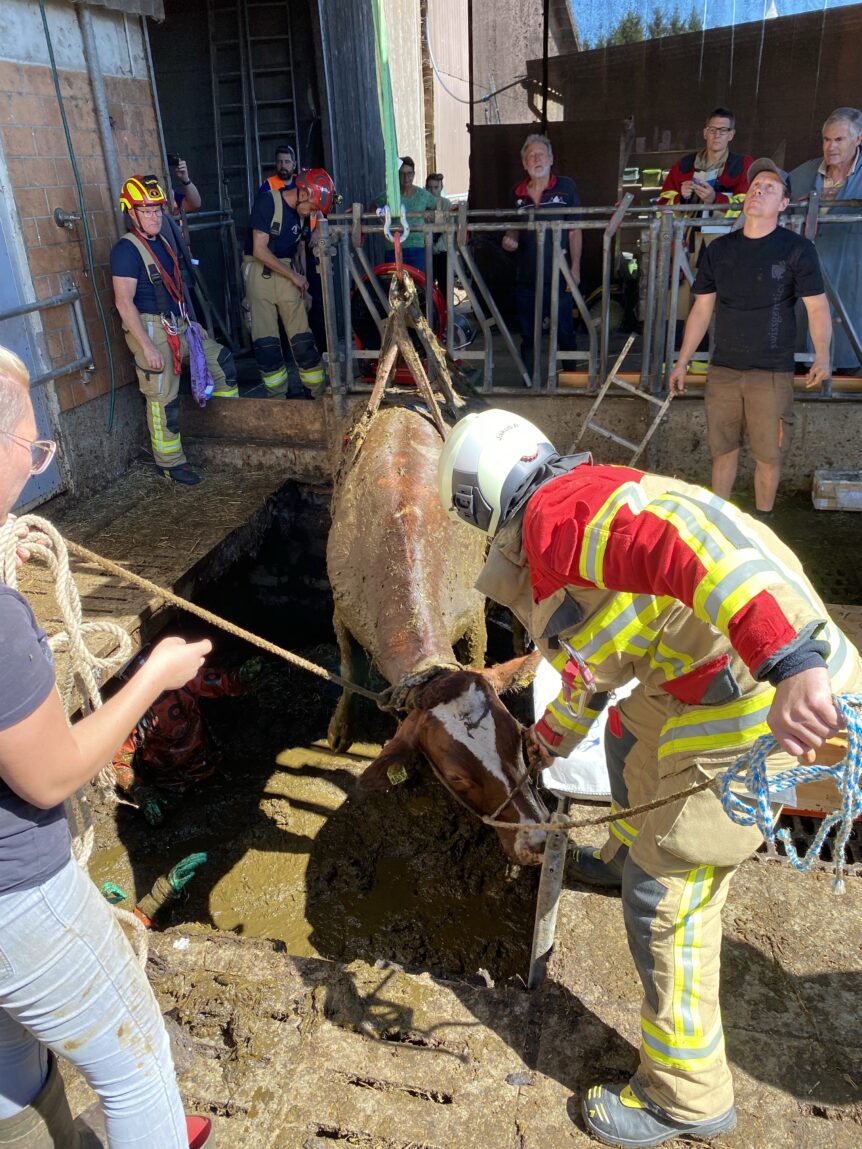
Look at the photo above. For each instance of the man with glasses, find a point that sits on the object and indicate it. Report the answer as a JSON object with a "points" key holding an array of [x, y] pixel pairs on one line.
{"points": [[42, 451], [715, 174], [751, 279]]}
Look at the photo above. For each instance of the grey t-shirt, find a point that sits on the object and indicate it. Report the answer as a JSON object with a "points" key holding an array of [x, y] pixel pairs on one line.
{"points": [[34, 843]]}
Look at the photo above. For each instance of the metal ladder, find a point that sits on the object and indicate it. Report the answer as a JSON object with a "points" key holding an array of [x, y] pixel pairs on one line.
{"points": [[613, 380], [254, 96]]}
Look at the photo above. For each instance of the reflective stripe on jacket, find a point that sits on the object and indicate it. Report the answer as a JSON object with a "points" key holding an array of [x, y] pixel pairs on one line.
{"points": [[670, 584]]}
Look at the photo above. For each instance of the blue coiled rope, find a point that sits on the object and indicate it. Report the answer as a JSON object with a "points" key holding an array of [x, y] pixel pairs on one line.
{"points": [[750, 770]]}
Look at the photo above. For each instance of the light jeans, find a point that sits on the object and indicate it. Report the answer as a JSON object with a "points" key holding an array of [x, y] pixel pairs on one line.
{"points": [[69, 981]]}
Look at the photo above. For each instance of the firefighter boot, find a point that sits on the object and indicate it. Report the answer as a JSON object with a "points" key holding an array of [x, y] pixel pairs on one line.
{"points": [[47, 1122], [584, 864], [623, 1115]]}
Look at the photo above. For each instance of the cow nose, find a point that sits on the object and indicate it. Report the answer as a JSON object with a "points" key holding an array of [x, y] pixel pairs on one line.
{"points": [[530, 846]]}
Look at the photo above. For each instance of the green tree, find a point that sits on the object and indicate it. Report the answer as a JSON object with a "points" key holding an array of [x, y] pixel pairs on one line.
{"points": [[659, 25], [629, 30]]}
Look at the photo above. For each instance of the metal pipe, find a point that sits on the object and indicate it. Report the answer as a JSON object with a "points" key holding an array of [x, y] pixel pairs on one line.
{"points": [[245, 334], [665, 239], [584, 312], [546, 21], [151, 76], [495, 311], [100, 103], [324, 261], [361, 255], [538, 303], [470, 121], [649, 307], [40, 305], [450, 291], [675, 268], [348, 324], [553, 326], [607, 252], [60, 372], [487, 353], [362, 288]]}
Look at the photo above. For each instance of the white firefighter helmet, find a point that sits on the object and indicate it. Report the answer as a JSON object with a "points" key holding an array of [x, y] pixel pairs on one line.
{"points": [[485, 460]]}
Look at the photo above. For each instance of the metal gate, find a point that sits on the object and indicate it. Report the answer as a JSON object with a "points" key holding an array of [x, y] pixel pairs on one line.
{"points": [[18, 334]]}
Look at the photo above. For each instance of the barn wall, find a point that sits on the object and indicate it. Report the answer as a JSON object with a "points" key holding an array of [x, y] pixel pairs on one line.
{"points": [[40, 170]]}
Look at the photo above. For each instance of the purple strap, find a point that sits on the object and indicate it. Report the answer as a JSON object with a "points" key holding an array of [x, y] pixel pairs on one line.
{"points": [[203, 383]]}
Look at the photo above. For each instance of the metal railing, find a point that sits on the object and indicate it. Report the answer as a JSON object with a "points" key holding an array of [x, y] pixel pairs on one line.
{"points": [[662, 237], [70, 296]]}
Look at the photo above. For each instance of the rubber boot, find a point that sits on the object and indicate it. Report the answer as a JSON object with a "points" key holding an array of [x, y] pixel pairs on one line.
{"points": [[584, 864], [47, 1123], [199, 1130], [623, 1115]]}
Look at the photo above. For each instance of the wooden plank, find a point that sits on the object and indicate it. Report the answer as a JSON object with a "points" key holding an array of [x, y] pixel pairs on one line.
{"points": [[171, 535]]}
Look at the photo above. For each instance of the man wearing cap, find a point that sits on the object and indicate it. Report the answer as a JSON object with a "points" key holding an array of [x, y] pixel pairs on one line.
{"points": [[751, 279]]}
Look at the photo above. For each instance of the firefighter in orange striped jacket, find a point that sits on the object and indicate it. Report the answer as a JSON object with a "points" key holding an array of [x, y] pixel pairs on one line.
{"points": [[618, 574], [715, 174]]}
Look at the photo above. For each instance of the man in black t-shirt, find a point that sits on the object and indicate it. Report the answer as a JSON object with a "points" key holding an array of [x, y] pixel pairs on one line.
{"points": [[752, 279], [543, 191]]}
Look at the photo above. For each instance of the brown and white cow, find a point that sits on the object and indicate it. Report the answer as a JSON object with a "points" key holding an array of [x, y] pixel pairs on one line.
{"points": [[402, 576]]}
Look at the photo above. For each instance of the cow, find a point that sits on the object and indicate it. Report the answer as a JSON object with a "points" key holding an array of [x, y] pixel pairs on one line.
{"points": [[402, 575]]}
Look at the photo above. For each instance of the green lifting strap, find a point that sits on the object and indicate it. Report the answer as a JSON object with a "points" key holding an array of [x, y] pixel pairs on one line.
{"points": [[387, 110]]}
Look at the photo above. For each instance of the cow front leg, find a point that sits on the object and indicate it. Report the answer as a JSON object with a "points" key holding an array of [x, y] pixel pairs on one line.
{"points": [[341, 734], [476, 642]]}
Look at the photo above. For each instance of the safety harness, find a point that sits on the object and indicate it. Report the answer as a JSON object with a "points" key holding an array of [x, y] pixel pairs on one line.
{"points": [[169, 286]]}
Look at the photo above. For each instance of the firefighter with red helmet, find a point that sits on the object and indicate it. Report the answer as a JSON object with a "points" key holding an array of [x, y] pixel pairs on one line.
{"points": [[155, 306], [171, 749], [274, 288]]}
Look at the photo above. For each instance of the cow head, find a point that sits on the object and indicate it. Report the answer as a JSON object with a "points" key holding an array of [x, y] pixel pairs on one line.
{"points": [[475, 746]]}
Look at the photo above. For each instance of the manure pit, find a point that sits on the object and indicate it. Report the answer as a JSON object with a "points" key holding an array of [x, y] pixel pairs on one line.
{"points": [[295, 852]]}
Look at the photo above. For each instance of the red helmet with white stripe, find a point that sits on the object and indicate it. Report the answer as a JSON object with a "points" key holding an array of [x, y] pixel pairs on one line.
{"points": [[320, 187]]}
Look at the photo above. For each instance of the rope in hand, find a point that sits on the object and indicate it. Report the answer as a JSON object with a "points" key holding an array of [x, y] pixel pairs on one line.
{"points": [[750, 770], [169, 596], [44, 541]]}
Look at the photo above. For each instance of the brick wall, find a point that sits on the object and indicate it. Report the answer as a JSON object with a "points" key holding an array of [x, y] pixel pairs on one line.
{"points": [[41, 174]]}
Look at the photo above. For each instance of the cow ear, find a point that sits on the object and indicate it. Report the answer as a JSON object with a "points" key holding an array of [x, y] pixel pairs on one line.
{"points": [[516, 674], [398, 752]]}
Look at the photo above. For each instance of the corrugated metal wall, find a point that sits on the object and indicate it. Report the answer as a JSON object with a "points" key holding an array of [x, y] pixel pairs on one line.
{"points": [[447, 35]]}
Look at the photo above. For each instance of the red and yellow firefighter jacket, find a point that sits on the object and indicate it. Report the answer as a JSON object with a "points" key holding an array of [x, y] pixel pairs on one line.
{"points": [[730, 187], [643, 576]]}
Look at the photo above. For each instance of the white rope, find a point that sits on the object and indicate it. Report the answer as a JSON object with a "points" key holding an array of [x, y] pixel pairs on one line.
{"points": [[86, 670]]}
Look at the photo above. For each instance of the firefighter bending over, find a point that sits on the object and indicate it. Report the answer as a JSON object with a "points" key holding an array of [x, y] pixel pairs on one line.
{"points": [[619, 574]]}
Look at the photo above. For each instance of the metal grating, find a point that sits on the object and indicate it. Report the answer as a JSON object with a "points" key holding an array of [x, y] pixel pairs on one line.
{"points": [[803, 830]]}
